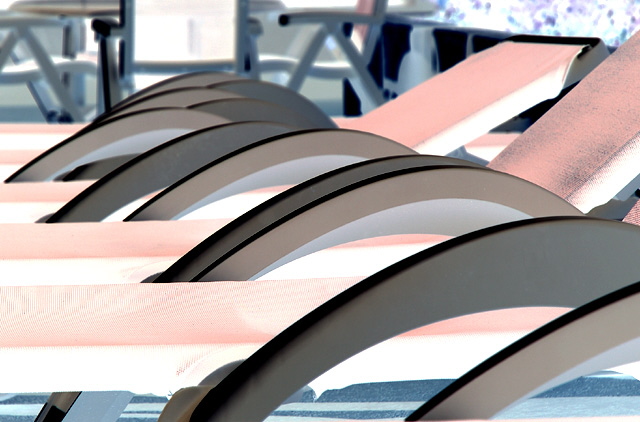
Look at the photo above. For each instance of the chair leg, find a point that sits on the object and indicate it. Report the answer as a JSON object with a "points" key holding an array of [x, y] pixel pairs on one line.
{"points": [[102, 406], [105, 77], [369, 85], [109, 85], [313, 49], [50, 73]]}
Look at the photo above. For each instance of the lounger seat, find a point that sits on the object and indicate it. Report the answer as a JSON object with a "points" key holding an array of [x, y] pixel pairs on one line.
{"points": [[61, 337], [30, 201], [93, 253]]}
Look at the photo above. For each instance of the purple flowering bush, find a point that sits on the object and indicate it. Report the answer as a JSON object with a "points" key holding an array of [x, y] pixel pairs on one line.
{"points": [[612, 20]]}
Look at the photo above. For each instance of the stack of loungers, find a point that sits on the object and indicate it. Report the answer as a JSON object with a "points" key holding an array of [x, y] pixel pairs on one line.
{"points": [[165, 305]]}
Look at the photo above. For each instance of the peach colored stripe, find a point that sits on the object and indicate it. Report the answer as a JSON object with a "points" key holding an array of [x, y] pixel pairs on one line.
{"points": [[41, 191], [633, 216], [35, 128], [516, 319], [18, 156], [157, 314], [401, 239], [103, 240], [444, 112]]}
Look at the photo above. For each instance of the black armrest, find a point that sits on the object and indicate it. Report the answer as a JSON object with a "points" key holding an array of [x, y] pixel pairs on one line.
{"points": [[327, 18], [104, 26]]}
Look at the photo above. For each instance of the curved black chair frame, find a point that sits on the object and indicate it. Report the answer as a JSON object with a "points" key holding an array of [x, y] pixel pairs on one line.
{"points": [[249, 88], [599, 335], [560, 261], [227, 152], [179, 97], [279, 161], [194, 265], [449, 200], [136, 132], [267, 91], [160, 167], [245, 109], [125, 135], [184, 80]]}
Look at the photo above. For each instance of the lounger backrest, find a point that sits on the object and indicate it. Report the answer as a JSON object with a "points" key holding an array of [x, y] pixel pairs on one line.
{"points": [[467, 101], [586, 148]]}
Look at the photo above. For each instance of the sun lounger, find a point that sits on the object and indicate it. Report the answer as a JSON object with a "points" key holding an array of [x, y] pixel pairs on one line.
{"points": [[429, 287], [123, 135], [283, 105], [485, 90], [96, 170], [184, 97], [39, 242], [393, 284]]}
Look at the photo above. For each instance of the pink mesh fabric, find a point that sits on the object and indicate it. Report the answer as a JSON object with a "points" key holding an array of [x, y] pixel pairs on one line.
{"points": [[472, 98], [20, 143], [95, 253], [103, 240], [161, 337], [30, 201], [32, 138], [365, 7], [633, 216], [142, 337], [586, 148], [20, 156], [41, 191]]}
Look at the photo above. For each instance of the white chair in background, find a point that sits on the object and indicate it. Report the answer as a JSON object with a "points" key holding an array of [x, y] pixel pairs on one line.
{"points": [[25, 59]]}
